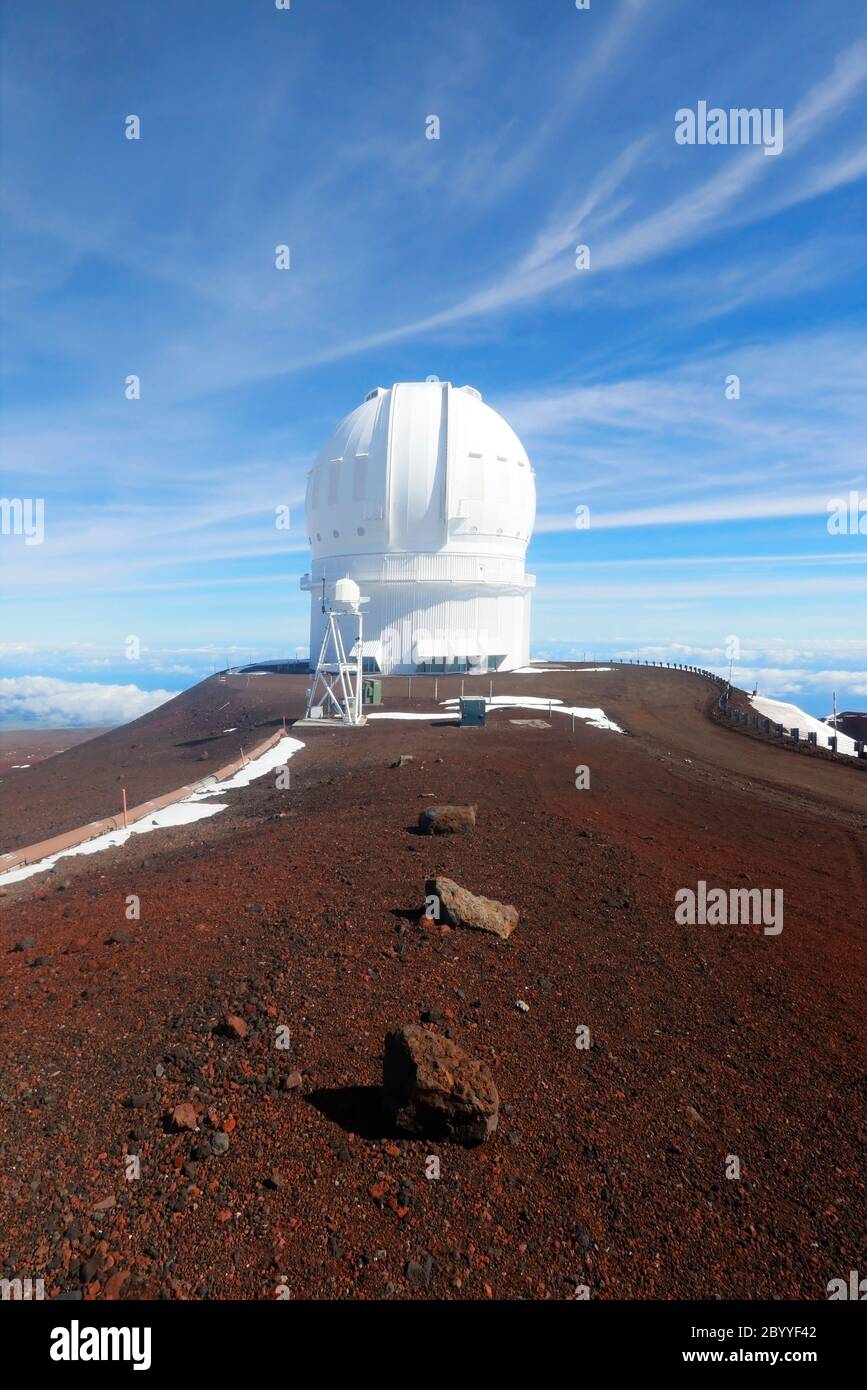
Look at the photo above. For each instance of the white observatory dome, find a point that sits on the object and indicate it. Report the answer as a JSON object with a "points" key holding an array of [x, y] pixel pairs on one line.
{"points": [[425, 497]]}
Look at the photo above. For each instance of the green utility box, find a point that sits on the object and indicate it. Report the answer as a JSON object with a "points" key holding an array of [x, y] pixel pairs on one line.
{"points": [[472, 711], [371, 692]]}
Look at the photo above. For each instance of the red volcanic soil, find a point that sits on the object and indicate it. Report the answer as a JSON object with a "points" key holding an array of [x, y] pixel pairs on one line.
{"points": [[299, 908], [31, 746]]}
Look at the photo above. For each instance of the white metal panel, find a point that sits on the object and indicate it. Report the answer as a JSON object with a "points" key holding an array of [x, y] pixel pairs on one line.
{"points": [[417, 467]]}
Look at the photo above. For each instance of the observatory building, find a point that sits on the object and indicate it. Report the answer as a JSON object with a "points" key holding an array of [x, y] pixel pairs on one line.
{"points": [[425, 497]]}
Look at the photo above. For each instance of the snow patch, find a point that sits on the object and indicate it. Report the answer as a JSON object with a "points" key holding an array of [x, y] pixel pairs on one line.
{"points": [[197, 806], [409, 714], [597, 718], [268, 761], [181, 813], [793, 718]]}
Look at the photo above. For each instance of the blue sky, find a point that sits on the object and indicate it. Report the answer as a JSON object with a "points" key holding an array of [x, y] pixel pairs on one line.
{"points": [[412, 257]]}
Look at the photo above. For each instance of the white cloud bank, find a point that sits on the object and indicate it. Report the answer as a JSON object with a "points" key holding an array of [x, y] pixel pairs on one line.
{"points": [[56, 704]]}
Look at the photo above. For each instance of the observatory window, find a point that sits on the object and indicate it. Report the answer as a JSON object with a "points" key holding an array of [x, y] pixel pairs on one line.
{"points": [[448, 666], [336, 535], [359, 479], [333, 483], [318, 536], [359, 530]]}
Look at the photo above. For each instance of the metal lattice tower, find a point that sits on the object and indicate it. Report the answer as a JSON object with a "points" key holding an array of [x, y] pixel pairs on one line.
{"points": [[336, 688]]}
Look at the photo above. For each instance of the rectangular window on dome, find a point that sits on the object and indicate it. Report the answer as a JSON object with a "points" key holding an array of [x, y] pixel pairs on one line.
{"points": [[359, 479], [333, 481]]}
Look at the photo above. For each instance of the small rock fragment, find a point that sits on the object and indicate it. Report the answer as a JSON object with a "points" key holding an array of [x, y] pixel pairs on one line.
{"points": [[617, 899], [115, 1284], [184, 1116], [420, 1272], [447, 820]]}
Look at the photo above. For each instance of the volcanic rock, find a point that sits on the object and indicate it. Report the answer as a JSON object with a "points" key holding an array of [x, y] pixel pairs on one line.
{"points": [[460, 908], [184, 1116], [617, 899], [420, 1272], [115, 1284], [432, 1087], [235, 1026], [447, 820]]}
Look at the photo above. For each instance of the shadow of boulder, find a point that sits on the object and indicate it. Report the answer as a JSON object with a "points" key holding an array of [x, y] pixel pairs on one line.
{"points": [[356, 1109]]}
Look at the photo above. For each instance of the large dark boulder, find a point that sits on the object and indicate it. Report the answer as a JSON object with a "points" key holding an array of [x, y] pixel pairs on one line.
{"points": [[432, 1088]]}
